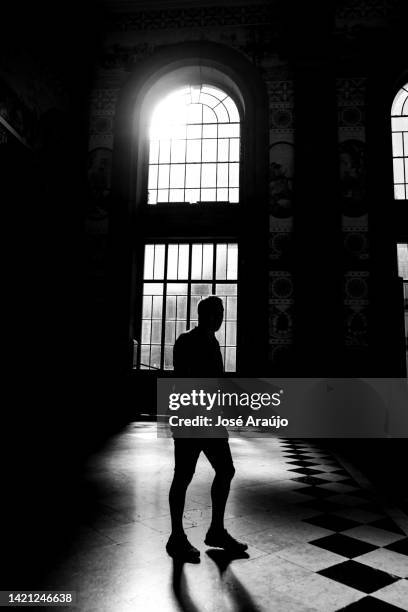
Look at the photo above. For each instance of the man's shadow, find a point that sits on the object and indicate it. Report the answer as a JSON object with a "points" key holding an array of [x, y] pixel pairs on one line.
{"points": [[239, 596]]}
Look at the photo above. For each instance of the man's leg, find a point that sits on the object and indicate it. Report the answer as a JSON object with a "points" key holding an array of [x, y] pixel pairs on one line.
{"points": [[186, 452], [218, 453]]}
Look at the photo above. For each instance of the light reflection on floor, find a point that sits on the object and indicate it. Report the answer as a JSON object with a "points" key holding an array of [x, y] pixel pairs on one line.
{"points": [[119, 563]]}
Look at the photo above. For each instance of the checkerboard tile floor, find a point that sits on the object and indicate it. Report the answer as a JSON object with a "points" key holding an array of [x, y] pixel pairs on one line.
{"points": [[371, 549], [319, 541]]}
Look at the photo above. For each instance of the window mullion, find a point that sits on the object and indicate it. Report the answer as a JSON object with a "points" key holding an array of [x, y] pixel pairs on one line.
{"points": [[163, 330]]}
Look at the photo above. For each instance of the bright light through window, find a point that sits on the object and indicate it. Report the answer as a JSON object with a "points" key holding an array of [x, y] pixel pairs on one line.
{"points": [[194, 147], [402, 253], [399, 127], [176, 277]]}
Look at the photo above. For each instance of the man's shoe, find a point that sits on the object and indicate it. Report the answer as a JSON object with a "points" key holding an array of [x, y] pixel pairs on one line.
{"points": [[179, 547], [222, 539]]}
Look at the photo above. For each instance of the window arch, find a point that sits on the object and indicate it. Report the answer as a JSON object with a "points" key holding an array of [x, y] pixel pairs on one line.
{"points": [[194, 149], [181, 230], [399, 128]]}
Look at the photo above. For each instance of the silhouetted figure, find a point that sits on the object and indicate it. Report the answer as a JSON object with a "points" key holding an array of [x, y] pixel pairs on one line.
{"points": [[197, 353]]}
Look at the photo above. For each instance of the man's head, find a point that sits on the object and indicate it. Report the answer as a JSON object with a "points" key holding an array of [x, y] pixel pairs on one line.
{"points": [[210, 313]]}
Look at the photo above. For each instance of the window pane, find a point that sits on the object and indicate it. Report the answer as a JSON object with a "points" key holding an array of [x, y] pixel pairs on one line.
{"points": [[192, 195], [177, 175], [144, 357], [172, 256], [201, 289], [163, 195], [230, 359], [397, 144], [222, 175], [193, 131], [223, 149], [152, 177], [178, 151], [155, 354], [195, 113], [207, 261], [176, 195], [231, 308], [168, 357], [222, 195], [164, 152], [157, 306], [208, 115], [208, 175], [194, 150], [232, 262], [183, 261], [399, 192], [164, 176], [398, 170], [177, 289], [233, 195], [181, 307], [234, 149], [147, 307], [228, 130], [399, 124], [231, 333], [232, 109], [192, 175], [226, 289], [156, 331], [153, 289], [196, 261], [180, 328], [208, 99], [154, 152], [234, 175], [170, 332], [159, 261], [210, 150], [171, 307], [221, 113], [209, 131], [146, 328], [221, 268], [148, 261], [208, 195], [152, 196]]}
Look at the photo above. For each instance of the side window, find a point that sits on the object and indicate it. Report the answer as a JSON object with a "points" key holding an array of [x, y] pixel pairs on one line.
{"points": [[399, 128]]}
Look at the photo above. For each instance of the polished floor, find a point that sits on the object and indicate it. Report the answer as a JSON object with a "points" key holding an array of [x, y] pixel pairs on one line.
{"points": [[319, 537]]}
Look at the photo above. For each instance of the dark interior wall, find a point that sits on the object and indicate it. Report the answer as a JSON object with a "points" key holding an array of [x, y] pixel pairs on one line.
{"points": [[47, 57], [329, 72]]}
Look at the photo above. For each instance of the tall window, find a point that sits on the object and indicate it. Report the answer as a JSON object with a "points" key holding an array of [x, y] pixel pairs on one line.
{"points": [[399, 127], [176, 277], [194, 147], [402, 252]]}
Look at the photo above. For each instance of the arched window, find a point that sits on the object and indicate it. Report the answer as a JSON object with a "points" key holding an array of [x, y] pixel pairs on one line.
{"points": [[194, 147], [190, 190], [399, 128]]}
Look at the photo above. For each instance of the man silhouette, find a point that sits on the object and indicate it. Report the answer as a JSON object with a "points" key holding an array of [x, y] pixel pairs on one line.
{"points": [[197, 353]]}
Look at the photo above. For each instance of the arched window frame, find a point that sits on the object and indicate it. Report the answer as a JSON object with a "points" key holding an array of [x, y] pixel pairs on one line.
{"points": [[399, 130], [134, 223], [194, 151]]}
